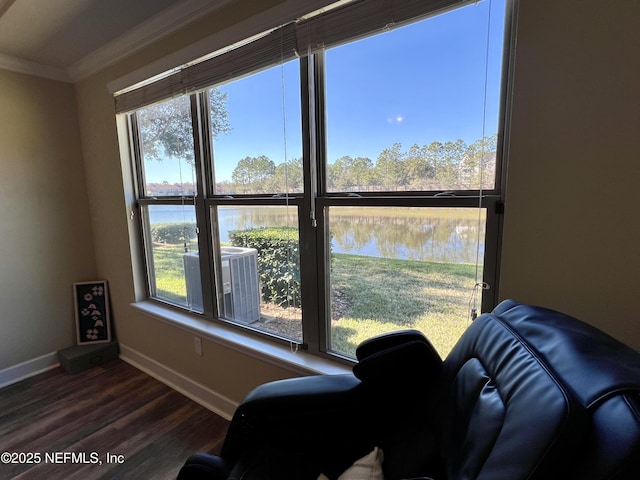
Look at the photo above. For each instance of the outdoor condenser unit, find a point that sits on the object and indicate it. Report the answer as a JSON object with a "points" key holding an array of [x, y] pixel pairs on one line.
{"points": [[240, 283]]}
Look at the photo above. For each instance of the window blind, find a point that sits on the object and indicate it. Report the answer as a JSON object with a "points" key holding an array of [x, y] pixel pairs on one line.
{"points": [[363, 18], [333, 27], [270, 49]]}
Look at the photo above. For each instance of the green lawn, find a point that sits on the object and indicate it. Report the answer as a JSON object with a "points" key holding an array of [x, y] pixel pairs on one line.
{"points": [[169, 268], [381, 295], [388, 294]]}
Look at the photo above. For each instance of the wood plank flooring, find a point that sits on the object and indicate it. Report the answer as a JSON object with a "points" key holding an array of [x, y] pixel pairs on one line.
{"points": [[110, 409]]}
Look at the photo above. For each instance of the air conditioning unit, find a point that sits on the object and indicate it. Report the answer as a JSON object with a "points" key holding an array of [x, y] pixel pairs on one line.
{"points": [[240, 283]]}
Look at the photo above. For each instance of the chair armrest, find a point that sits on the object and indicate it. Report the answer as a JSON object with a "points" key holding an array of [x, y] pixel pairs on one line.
{"points": [[306, 393], [282, 411]]}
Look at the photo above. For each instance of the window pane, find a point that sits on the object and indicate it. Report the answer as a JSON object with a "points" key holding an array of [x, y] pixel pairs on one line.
{"points": [[257, 135], [260, 268], [398, 268], [166, 144], [405, 109], [173, 268]]}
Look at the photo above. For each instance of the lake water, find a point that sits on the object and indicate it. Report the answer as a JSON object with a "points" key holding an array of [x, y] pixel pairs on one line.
{"points": [[427, 234]]}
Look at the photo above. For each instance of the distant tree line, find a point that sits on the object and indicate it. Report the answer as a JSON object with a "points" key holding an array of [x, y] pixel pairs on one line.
{"points": [[437, 166]]}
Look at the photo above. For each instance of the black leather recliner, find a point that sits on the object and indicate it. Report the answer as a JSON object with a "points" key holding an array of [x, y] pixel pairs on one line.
{"points": [[526, 393]]}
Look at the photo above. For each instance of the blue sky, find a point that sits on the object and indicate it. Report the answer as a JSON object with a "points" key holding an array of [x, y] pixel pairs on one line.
{"points": [[413, 85]]}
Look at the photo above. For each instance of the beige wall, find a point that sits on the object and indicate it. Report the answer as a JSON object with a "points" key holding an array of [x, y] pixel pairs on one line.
{"points": [[46, 240], [572, 231]]}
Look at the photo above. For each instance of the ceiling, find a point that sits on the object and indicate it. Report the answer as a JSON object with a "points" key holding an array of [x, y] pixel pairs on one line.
{"points": [[70, 39]]}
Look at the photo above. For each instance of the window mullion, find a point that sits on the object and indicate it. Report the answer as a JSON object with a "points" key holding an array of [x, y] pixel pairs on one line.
{"points": [[323, 241], [311, 320], [202, 150]]}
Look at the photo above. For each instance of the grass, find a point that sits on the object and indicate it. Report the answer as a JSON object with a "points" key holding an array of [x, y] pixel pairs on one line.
{"points": [[389, 294], [381, 294], [169, 268]]}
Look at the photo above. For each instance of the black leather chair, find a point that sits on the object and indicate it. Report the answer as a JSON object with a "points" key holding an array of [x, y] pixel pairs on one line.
{"points": [[527, 393]]}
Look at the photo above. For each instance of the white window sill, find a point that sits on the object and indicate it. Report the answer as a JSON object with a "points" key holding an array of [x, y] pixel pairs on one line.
{"points": [[300, 362]]}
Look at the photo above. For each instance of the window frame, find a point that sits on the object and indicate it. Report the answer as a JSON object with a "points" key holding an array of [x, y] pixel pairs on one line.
{"points": [[312, 204], [489, 199]]}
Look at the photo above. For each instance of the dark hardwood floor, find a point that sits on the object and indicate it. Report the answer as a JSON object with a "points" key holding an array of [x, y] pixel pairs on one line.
{"points": [[113, 409]]}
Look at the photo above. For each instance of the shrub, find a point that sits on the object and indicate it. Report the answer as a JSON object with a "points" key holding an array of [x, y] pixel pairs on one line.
{"points": [[173, 232], [278, 262]]}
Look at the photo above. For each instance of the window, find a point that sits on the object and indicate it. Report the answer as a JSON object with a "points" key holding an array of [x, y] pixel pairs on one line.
{"points": [[329, 180], [167, 180]]}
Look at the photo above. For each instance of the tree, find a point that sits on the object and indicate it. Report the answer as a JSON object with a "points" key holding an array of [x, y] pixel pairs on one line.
{"points": [[455, 153], [336, 175], [390, 168], [420, 171], [361, 172], [349, 173], [251, 173], [287, 178], [448, 160], [166, 130], [480, 162]]}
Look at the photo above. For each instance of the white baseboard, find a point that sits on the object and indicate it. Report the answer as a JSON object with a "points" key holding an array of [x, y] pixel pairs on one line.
{"points": [[28, 369], [196, 392]]}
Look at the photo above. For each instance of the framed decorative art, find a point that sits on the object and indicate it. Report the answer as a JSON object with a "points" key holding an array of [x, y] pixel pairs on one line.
{"points": [[93, 324]]}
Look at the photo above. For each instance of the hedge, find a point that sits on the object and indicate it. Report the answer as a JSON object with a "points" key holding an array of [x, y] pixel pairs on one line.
{"points": [[173, 232], [278, 262]]}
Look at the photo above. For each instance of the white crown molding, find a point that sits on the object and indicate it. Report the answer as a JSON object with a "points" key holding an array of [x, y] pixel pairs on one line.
{"points": [[14, 64], [148, 32]]}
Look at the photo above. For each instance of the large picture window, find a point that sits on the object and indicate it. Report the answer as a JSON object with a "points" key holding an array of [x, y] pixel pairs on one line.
{"points": [[331, 180]]}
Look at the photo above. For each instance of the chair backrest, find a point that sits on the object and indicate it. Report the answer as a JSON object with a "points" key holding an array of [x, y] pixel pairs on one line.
{"points": [[530, 393], [506, 416], [602, 373]]}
